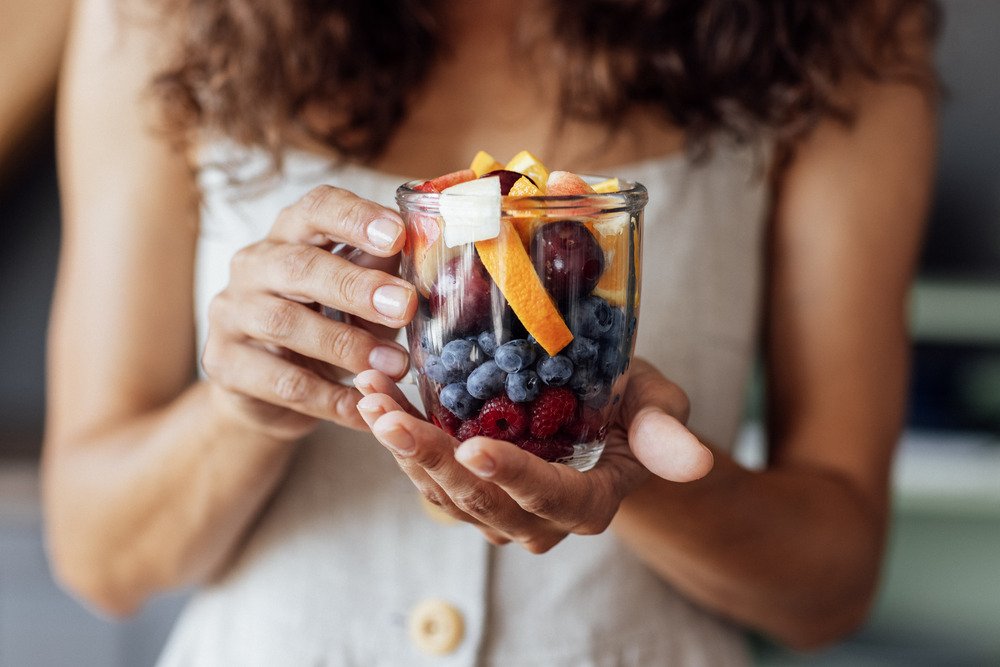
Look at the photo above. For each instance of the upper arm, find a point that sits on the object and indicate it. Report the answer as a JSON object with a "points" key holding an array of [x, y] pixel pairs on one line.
{"points": [[121, 333], [846, 235]]}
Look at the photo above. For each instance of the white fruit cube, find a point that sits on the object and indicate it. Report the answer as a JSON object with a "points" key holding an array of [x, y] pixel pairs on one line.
{"points": [[471, 211]]}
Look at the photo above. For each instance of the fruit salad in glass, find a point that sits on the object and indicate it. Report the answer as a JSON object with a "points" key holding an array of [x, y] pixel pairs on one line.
{"points": [[529, 302]]}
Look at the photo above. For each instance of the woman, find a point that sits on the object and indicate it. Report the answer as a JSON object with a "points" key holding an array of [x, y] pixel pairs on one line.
{"points": [[787, 148]]}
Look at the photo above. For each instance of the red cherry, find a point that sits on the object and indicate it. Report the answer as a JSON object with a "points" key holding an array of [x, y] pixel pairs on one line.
{"points": [[567, 258], [461, 294]]}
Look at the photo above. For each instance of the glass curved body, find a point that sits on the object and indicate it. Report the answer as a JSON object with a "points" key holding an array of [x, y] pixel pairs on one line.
{"points": [[582, 273]]}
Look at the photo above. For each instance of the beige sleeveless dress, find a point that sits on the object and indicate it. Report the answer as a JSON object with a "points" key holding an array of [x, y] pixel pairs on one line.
{"points": [[346, 567]]}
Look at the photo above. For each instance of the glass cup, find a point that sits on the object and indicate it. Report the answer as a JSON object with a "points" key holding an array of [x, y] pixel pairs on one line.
{"points": [[525, 335]]}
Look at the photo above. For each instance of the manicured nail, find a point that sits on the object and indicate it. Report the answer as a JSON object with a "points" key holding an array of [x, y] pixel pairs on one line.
{"points": [[391, 300], [383, 233], [476, 460], [368, 406], [397, 440], [389, 360]]}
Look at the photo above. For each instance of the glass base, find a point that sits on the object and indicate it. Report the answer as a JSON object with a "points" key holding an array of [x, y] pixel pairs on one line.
{"points": [[584, 456]]}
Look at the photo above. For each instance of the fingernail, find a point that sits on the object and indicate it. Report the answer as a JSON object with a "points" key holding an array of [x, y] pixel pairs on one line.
{"points": [[397, 440], [391, 300], [389, 360], [369, 407], [383, 233], [476, 460]]}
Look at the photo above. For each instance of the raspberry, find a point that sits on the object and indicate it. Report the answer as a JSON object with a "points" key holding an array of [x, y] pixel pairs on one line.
{"points": [[553, 409], [587, 425], [446, 421], [503, 418], [550, 449], [469, 429]]}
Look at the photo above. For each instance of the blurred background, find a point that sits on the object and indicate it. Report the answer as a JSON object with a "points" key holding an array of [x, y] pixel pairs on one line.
{"points": [[940, 599]]}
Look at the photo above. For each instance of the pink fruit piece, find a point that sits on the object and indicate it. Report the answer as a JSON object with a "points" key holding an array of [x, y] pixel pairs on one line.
{"points": [[507, 179], [551, 411], [461, 295], [550, 449], [566, 183], [442, 183], [567, 258], [503, 419]]}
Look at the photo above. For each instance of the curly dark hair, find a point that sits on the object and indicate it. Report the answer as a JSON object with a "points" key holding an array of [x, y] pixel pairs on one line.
{"points": [[251, 68]]}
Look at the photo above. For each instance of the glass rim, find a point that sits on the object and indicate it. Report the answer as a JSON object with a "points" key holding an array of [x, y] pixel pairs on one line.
{"points": [[632, 195]]}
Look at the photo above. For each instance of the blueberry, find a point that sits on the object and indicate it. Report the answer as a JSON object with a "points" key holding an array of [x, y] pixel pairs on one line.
{"points": [[616, 331], [486, 381], [435, 369], [515, 355], [598, 397], [457, 399], [460, 356], [488, 342], [593, 317], [585, 383], [523, 386], [554, 371], [581, 350], [611, 362]]}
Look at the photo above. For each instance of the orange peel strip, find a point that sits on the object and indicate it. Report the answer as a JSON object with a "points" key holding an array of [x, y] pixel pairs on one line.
{"points": [[508, 264]]}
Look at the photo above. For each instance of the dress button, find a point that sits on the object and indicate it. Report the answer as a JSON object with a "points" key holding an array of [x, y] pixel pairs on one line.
{"points": [[436, 627], [436, 513]]}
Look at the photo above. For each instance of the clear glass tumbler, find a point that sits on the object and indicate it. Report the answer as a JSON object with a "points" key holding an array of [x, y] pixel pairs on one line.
{"points": [[527, 335]]}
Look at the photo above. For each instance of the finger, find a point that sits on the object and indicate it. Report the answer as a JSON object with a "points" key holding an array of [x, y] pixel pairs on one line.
{"points": [[298, 328], [388, 265], [647, 387], [328, 213], [654, 411], [309, 274], [667, 448], [433, 450], [558, 493], [374, 382], [259, 374], [371, 409]]}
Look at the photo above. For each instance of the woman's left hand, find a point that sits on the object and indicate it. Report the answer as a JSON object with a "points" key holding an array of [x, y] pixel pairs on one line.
{"points": [[510, 494]]}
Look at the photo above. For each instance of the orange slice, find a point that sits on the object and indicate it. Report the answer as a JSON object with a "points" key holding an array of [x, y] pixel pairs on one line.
{"points": [[523, 187], [484, 163], [508, 264], [606, 186], [613, 285], [529, 165], [524, 220]]}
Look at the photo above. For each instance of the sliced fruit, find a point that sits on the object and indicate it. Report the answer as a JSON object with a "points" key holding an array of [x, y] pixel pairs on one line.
{"points": [[484, 163], [507, 179], [524, 187], [509, 265], [525, 220], [422, 234], [606, 186], [530, 166], [471, 211], [442, 183], [613, 285], [566, 183]]}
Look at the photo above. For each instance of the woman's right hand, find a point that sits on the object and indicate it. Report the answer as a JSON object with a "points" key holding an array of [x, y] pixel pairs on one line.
{"points": [[272, 358]]}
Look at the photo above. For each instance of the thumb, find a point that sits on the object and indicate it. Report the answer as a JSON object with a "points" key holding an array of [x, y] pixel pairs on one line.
{"points": [[654, 410], [667, 448]]}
